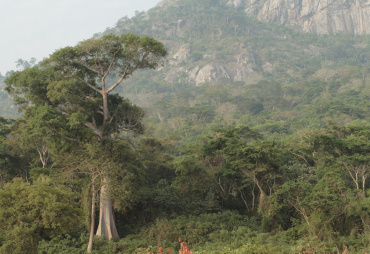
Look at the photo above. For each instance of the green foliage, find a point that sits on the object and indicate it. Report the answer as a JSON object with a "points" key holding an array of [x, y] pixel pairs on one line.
{"points": [[6, 103], [195, 230], [30, 85], [65, 108], [30, 213], [220, 233], [195, 185], [10, 165], [64, 244], [296, 178], [307, 85]]}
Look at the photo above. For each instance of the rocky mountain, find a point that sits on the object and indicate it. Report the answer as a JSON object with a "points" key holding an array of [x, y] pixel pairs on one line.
{"points": [[226, 62], [218, 41], [313, 16]]}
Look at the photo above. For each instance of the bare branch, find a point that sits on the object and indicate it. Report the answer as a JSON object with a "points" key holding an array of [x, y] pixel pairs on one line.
{"points": [[300, 156], [87, 67], [137, 152], [2, 179], [125, 73], [114, 60], [68, 138], [94, 128], [89, 85]]}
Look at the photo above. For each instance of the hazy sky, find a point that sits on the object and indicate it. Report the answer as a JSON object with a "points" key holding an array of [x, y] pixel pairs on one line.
{"points": [[36, 28]]}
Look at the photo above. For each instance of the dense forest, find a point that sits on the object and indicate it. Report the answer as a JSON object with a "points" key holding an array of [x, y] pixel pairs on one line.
{"points": [[216, 134]]}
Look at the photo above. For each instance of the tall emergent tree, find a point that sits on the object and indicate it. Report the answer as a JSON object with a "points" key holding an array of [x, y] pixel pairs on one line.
{"points": [[78, 83]]}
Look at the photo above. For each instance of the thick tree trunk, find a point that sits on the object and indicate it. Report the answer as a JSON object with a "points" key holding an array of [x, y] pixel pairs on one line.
{"points": [[106, 112], [107, 226], [92, 222]]}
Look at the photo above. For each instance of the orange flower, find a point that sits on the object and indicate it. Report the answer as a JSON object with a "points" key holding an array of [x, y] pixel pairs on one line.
{"points": [[160, 250], [184, 249]]}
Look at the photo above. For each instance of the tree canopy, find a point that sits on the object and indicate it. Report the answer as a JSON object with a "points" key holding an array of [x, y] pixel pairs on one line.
{"points": [[68, 102]]}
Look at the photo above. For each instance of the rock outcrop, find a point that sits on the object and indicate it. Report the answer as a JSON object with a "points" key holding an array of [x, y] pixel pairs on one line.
{"points": [[183, 54], [206, 46], [313, 16], [210, 73], [213, 73]]}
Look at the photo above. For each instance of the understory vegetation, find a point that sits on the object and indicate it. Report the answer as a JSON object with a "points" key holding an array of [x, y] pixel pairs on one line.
{"points": [[230, 192]]}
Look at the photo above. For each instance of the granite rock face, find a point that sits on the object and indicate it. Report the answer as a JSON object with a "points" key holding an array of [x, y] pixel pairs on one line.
{"points": [[245, 64], [214, 73], [210, 73], [183, 54], [313, 16]]}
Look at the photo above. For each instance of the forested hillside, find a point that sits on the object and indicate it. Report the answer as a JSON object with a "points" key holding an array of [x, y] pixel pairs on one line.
{"points": [[220, 134], [6, 103], [226, 67]]}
